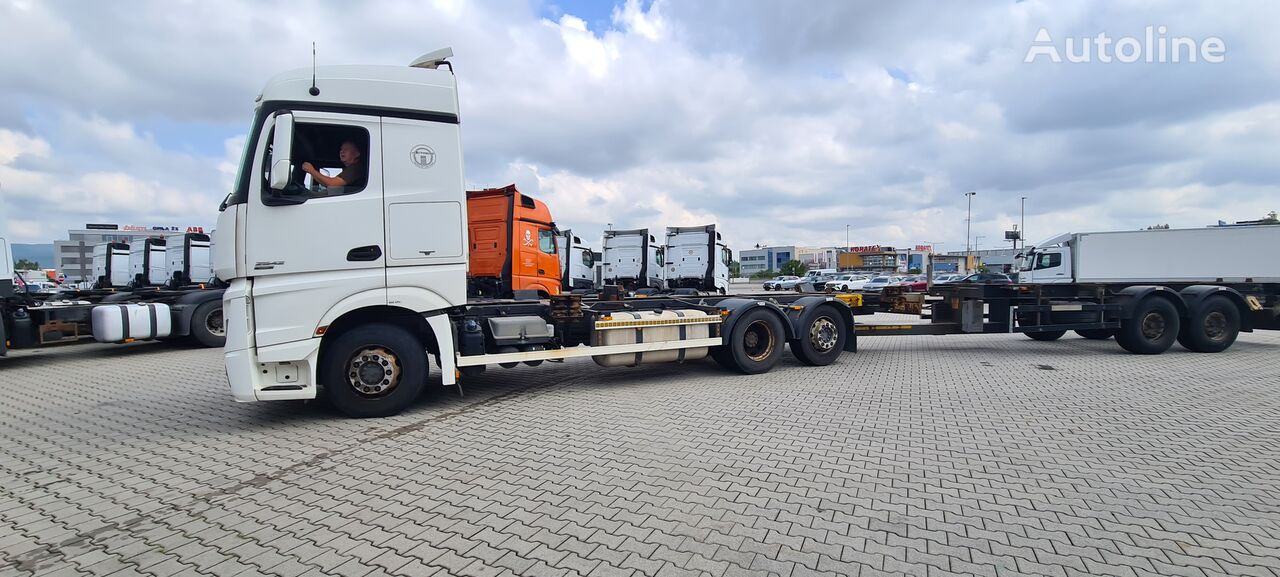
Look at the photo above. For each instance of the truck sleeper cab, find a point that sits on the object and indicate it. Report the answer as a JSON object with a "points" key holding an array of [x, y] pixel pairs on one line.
{"points": [[697, 259], [512, 244], [354, 292]]}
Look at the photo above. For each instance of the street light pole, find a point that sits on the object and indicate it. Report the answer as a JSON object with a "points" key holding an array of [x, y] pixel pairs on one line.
{"points": [[1024, 222], [968, 226], [846, 238]]}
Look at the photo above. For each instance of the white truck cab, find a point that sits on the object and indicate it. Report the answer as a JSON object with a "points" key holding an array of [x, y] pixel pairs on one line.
{"points": [[303, 257]]}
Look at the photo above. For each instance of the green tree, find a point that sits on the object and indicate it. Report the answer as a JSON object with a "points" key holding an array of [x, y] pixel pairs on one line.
{"points": [[794, 268], [24, 264], [735, 269]]}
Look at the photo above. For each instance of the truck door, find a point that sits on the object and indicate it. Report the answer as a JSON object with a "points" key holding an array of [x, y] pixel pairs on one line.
{"points": [[309, 246], [1051, 267], [535, 264]]}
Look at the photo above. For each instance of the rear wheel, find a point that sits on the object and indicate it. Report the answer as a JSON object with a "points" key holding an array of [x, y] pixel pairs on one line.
{"points": [[1046, 335], [755, 343], [1213, 327], [1096, 334], [1152, 328], [821, 339], [374, 371], [207, 326]]}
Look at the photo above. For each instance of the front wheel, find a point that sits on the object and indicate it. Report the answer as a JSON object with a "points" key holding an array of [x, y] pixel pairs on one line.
{"points": [[1096, 334], [375, 370]]}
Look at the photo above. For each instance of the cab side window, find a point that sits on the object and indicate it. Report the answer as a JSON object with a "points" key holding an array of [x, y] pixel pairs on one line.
{"points": [[547, 241], [1049, 260], [337, 152]]}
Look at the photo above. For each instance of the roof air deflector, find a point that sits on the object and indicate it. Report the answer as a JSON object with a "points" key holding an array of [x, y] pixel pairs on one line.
{"points": [[434, 59]]}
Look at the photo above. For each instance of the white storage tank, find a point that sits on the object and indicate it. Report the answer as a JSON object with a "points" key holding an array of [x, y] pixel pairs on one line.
{"points": [[124, 322], [654, 326]]}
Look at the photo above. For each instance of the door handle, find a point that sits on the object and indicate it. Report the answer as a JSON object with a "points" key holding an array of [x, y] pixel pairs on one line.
{"points": [[540, 271], [364, 253]]}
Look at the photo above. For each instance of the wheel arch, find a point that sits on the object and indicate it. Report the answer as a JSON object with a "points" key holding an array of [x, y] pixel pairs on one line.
{"points": [[1197, 294], [1138, 293], [736, 308]]}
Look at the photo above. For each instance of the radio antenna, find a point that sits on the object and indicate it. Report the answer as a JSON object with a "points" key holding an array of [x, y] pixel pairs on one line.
{"points": [[314, 91]]}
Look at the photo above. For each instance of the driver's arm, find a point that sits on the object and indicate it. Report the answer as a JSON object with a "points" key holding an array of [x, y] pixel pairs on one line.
{"points": [[329, 181]]}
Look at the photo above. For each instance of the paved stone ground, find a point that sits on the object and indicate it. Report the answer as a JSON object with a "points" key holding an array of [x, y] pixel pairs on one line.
{"points": [[927, 456]]}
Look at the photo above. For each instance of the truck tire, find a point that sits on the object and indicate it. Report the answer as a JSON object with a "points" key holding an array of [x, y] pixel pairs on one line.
{"points": [[1096, 334], [1045, 336], [1213, 326], [755, 344], [207, 325], [375, 370], [1152, 329], [821, 339]]}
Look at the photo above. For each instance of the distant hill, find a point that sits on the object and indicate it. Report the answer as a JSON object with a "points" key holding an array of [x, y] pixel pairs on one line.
{"points": [[41, 253]]}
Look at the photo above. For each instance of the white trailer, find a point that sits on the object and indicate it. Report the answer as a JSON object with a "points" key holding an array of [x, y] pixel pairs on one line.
{"points": [[697, 259], [1227, 254], [633, 259]]}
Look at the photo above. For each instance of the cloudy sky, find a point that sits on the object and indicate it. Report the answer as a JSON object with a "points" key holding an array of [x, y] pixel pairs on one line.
{"points": [[781, 121]]}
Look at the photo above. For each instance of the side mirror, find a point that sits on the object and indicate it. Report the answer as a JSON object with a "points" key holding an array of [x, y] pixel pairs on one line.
{"points": [[281, 149]]}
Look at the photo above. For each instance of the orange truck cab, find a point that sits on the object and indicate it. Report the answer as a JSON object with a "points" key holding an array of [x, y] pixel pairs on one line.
{"points": [[513, 244]]}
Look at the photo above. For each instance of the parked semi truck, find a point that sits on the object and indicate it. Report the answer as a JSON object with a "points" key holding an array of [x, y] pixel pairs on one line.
{"points": [[300, 313], [190, 259], [697, 259], [32, 319], [1148, 289], [361, 311], [577, 263], [512, 244], [633, 260]]}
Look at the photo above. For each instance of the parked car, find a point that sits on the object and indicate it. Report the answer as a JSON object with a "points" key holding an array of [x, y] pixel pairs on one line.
{"points": [[916, 284], [947, 278], [847, 282], [773, 283], [987, 278], [788, 284], [877, 284]]}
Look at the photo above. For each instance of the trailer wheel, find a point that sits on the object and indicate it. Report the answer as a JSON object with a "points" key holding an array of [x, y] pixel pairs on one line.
{"points": [[1096, 334], [755, 345], [1213, 326], [1045, 336], [375, 370], [1152, 328], [821, 339], [207, 325]]}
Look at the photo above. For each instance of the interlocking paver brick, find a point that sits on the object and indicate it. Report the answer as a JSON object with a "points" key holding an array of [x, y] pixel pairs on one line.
{"points": [[918, 454]]}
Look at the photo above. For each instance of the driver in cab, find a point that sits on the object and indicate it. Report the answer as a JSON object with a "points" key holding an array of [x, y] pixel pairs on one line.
{"points": [[352, 174]]}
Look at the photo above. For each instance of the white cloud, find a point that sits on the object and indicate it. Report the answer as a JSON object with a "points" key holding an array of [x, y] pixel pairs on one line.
{"points": [[779, 124]]}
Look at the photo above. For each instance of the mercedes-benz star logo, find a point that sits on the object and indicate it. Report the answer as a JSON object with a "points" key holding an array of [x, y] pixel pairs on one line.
{"points": [[423, 156]]}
